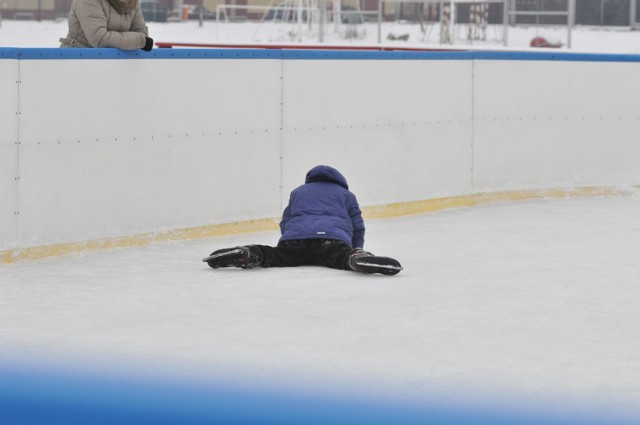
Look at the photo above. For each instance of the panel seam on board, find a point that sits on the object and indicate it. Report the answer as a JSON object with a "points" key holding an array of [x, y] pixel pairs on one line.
{"points": [[17, 151], [282, 61], [473, 118]]}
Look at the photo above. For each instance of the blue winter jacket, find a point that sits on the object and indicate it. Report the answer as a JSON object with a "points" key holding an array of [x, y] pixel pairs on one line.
{"points": [[323, 208]]}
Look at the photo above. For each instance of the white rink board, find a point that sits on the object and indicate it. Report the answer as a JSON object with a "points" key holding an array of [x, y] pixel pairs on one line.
{"points": [[148, 98], [8, 152], [135, 149], [380, 123], [119, 147], [557, 124]]}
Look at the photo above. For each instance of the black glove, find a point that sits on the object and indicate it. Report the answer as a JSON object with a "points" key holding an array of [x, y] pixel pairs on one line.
{"points": [[148, 45]]}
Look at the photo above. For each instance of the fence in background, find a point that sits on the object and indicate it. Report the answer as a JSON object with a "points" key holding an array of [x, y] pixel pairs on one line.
{"points": [[588, 12]]}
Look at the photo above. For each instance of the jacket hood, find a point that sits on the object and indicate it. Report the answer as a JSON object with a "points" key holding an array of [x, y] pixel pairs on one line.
{"points": [[327, 174]]}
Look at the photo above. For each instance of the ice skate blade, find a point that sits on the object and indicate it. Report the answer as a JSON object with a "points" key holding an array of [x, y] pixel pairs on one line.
{"points": [[221, 254], [383, 265], [380, 266]]}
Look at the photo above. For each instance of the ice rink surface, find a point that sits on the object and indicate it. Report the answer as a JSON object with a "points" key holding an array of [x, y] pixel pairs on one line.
{"points": [[534, 302]]}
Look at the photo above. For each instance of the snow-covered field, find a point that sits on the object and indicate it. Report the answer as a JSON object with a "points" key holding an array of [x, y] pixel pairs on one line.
{"points": [[592, 39]]}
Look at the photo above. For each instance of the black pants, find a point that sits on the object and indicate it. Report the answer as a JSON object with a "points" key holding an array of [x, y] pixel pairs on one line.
{"points": [[317, 252]]}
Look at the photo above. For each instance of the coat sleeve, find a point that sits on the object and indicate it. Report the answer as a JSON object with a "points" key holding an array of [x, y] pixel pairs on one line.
{"points": [[286, 215], [357, 221], [93, 21]]}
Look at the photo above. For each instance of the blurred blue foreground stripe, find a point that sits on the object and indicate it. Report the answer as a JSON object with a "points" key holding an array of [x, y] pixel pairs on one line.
{"points": [[37, 397]]}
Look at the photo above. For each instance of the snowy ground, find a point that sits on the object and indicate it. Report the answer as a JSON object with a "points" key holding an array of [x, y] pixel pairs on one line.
{"points": [[532, 302], [592, 39]]}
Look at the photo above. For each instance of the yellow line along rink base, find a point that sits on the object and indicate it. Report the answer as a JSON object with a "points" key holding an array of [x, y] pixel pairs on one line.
{"points": [[249, 226]]}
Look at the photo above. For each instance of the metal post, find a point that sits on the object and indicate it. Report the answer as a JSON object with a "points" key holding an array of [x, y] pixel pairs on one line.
{"points": [[505, 21], [512, 16], [453, 21], [379, 21], [323, 9], [601, 12], [179, 4], [570, 20]]}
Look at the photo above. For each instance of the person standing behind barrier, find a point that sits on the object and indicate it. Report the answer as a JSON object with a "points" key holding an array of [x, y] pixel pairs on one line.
{"points": [[107, 23]]}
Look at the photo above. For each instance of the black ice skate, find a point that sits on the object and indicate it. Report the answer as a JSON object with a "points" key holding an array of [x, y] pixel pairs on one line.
{"points": [[240, 256], [366, 262]]}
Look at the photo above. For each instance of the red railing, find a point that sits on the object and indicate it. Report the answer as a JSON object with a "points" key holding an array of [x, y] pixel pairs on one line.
{"points": [[163, 44]]}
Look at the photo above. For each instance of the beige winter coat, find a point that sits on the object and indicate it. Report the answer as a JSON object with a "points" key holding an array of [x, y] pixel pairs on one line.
{"points": [[106, 23]]}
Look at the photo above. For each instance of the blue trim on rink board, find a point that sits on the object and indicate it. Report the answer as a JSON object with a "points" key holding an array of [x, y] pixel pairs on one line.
{"points": [[45, 397], [290, 54]]}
